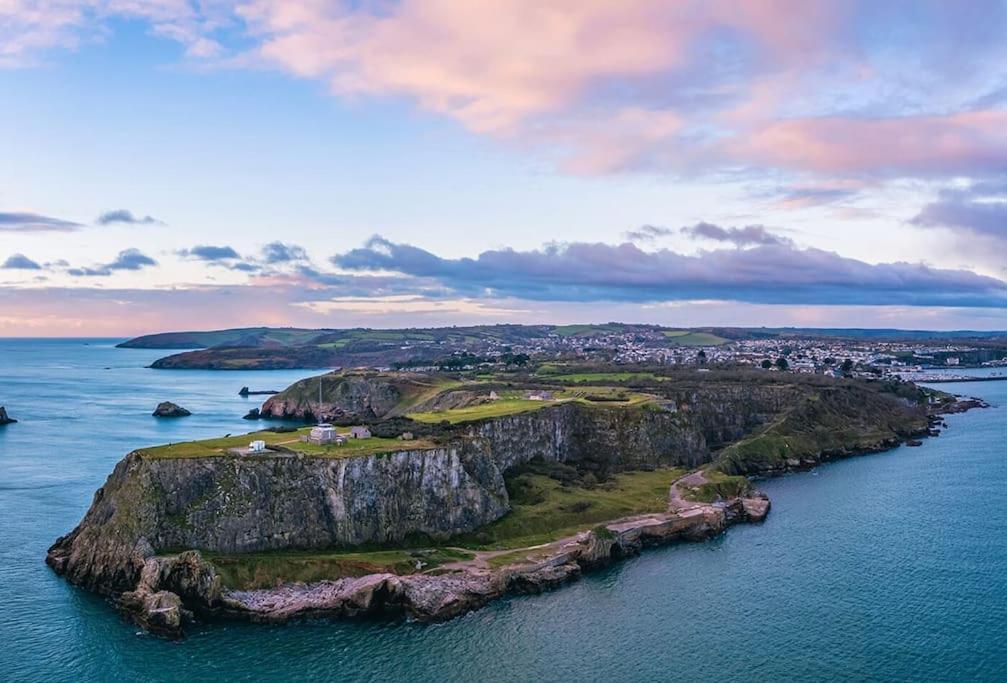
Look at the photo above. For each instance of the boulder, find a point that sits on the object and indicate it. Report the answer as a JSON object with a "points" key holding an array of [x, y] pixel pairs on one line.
{"points": [[252, 414], [169, 409], [4, 418]]}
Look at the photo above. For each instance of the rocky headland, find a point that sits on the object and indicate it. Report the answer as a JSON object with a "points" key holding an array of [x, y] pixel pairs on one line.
{"points": [[154, 530]]}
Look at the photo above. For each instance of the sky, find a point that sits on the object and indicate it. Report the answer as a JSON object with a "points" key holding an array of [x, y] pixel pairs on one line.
{"points": [[199, 164]]}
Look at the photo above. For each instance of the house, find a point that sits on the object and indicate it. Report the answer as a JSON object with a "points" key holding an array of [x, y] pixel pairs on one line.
{"points": [[322, 434], [540, 396], [406, 436], [257, 446], [360, 433]]}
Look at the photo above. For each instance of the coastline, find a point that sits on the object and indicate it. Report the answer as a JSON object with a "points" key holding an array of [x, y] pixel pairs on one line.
{"points": [[433, 597], [173, 590]]}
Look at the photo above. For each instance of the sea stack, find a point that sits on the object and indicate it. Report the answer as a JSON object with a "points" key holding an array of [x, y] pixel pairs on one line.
{"points": [[169, 409], [5, 419]]}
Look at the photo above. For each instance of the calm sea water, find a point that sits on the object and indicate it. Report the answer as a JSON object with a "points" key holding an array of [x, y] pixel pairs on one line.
{"points": [[889, 567]]}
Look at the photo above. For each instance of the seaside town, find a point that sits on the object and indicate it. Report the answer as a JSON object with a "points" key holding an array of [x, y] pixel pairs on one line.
{"points": [[923, 360]]}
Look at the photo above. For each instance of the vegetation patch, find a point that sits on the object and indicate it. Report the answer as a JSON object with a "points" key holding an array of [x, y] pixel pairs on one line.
{"points": [[284, 444], [687, 338], [553, 500], [499, 408], [718, 486]]}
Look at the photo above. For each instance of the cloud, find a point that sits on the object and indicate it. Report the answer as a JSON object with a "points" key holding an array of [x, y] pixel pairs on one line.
{"points": [[128, 259], [29, 28], [765, 274], [20, 262], [648, 233], [33, 222], [125, 216], [964, 143], [811, 88], [750, 235], [977, 212], [279, 252], [205, 252]]}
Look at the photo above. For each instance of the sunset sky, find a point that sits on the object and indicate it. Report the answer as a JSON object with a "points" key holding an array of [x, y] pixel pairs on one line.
{"points": [[176, 164]]}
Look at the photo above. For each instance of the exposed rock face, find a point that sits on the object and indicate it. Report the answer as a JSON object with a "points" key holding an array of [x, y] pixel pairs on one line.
{"points": [[342, 396], [169, 409], [4, 418], [231, 504], [443, 596]]}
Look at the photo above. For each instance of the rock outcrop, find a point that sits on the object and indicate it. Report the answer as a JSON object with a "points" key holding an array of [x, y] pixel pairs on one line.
{"points": [[350, 396], [231, 504], [170, 590], [169, 409], [5, 419]]}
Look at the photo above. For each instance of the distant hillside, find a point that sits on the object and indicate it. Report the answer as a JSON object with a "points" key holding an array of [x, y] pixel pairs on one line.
{"points": [[265, 348], [251, 337]]}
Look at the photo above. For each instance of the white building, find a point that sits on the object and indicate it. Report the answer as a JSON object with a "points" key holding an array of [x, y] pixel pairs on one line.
{"points": [[257, 446], [322, 434]]}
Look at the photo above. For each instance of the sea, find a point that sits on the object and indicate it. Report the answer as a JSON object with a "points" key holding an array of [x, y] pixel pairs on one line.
{"points": [[887, 567]]}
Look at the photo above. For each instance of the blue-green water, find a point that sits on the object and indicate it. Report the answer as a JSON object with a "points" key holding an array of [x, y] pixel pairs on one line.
{"points": [[887, 567]]}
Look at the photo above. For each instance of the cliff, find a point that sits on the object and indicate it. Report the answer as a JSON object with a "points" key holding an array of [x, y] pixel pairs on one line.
{"points": [[152, 506], [362, 396]]}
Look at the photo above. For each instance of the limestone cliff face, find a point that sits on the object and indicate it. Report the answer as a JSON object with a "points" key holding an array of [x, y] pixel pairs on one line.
{"points": [[601, 439], [234, 504], [614, 439]]}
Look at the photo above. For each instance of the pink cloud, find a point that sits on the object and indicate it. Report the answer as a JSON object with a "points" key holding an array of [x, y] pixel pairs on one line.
{"points": [[962, 143], [603, 86]]}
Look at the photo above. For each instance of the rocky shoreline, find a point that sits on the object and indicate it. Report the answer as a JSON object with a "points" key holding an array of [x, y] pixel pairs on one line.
{"points": [[143, 508], [173, 590]]}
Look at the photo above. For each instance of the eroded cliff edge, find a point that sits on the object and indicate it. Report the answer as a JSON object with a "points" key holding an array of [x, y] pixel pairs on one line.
{"points": [[130, 543]]}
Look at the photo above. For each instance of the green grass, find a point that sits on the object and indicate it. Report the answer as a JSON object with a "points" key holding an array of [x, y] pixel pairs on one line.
{"points": [[579, 377], [263, 570], [686, 338], [290, 440], [719, 486], [500, 408], [544, 509]]}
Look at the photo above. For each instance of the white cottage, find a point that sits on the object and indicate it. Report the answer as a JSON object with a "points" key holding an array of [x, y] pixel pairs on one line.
{"points": [[323, 434]]}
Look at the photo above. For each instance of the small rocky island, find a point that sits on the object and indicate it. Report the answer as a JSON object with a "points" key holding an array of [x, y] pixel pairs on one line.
{"points": [[5, 419], [459, 489], [169, 409]]}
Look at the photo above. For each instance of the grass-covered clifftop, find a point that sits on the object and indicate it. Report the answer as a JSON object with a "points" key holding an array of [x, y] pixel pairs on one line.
{"points": [[832, 421], [490, 472]]}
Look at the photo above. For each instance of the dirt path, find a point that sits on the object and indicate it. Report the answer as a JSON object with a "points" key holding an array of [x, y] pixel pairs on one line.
{"points": [[677, 504]]}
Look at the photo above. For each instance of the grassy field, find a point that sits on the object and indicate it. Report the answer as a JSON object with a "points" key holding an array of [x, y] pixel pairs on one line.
{"points": [[264, 570], [505, 406], [579, 377], [687, 338], [291, 440], [545, 509]]}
